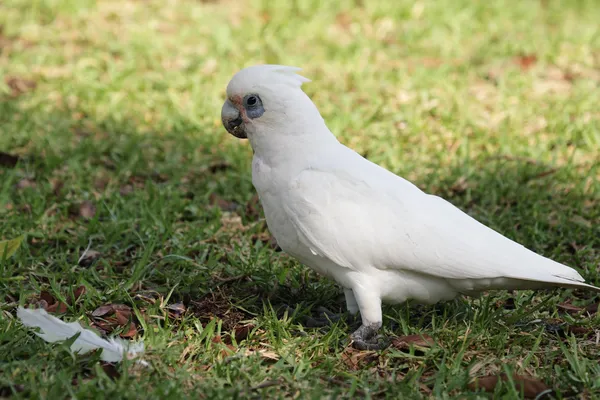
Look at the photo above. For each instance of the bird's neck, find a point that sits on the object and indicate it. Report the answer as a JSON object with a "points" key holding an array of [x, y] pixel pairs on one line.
{"points": [[275, 147]]}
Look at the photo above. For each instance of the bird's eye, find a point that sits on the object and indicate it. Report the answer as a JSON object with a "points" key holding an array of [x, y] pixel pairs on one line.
{"points": [[253, 105], [251, 101]]}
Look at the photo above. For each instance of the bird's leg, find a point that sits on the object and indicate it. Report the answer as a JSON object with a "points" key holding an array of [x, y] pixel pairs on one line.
{"points": [[369, 304], [351, 304]]}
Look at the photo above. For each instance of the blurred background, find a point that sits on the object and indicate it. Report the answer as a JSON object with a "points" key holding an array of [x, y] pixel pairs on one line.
{"points": [[111, 141]]}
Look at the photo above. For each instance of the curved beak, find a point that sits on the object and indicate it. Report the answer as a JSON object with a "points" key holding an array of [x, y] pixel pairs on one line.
{"points": [[232, 120]]}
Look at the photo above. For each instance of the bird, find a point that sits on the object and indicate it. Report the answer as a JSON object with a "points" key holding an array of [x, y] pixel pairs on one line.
{"points": [[379, 236]]}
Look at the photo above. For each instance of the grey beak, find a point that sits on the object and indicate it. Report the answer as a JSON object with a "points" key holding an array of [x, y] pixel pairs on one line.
{"points": [[232, 120]]}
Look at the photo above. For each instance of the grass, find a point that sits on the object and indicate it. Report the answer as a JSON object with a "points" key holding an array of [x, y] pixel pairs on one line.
{"points": [[113, 108]]}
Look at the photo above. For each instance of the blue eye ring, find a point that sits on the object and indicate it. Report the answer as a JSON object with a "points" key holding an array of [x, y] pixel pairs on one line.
{"points": [[253, 105]]}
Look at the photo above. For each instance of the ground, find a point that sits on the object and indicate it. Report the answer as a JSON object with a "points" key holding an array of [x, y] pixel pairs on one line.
{"points": [[141, 220]]}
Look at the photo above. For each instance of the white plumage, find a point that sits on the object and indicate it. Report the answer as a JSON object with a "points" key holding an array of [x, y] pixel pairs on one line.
{"points": [[55, 330], [378, 235]]}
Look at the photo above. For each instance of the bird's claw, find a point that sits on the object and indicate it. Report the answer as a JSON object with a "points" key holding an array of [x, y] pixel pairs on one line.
{"points": [[366, 338]]}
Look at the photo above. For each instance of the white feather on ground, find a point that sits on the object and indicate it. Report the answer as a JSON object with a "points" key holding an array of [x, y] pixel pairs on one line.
{"points": [[55, 330]]}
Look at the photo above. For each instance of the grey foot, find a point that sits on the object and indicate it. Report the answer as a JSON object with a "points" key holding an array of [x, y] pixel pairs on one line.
{"points": [[366, 338]]}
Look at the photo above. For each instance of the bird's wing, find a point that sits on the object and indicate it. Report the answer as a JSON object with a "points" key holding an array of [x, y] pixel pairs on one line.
{"points": [[387, 223]]}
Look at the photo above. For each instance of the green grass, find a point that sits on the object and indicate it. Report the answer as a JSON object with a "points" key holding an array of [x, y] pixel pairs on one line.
{"points": [[117, 104]]}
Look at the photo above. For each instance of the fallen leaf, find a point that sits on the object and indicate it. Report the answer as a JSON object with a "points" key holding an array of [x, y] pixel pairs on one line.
{"points": [[10, 247], [110, 370], [418, 341], [47, 297], [176, 310], [148, 296], [526, 61], [80, 291], [18, 85], [121, 318], [8, 160], [103, 310], [87, 210], [569, 308], [59, 307], [109, 317], [580, 331], [88, 257], [131, 332], [242, 332], [531, 387]]}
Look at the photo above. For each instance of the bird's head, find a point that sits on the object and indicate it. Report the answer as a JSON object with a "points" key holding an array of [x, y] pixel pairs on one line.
{"points": [[264, 100]]}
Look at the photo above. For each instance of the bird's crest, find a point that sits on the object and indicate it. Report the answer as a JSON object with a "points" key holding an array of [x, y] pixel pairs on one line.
{"points": [[265, 75]]}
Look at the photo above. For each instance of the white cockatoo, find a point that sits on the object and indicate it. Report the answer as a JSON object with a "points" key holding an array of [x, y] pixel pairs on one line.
{"points": [[378, 235]]}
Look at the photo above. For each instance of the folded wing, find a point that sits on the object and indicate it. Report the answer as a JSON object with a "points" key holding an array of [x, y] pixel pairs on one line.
{"points": [[377, 219]]}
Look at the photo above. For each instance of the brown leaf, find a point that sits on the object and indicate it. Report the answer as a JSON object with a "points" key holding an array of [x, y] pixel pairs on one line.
{"points": [[87, 210], [18, 85], [122, 308], [111, 370], [223, 204], [531, 387], [526, 61], [47, 297], [122, 318], [242, 332], [80, 291], [8, 160], [148, 296], [131, 332], [103, 310], [569, 308], [405, 342], [176, 310], [58, 307], [88, 258], [580, 331]]}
